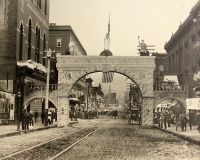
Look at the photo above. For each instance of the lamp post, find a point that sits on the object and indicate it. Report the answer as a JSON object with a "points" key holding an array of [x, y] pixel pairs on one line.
{"points": [[48, 57]]}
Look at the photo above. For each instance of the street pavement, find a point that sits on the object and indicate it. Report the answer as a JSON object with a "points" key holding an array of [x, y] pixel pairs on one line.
{"points": [[117, 140], [11, 130], [154, 141]]}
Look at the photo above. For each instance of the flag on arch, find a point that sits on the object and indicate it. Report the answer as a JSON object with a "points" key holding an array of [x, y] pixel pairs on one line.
{"points": [[107, 77]]}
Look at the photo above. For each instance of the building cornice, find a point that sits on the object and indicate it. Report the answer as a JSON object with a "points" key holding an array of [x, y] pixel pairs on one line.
{"points": [[189, 20]]}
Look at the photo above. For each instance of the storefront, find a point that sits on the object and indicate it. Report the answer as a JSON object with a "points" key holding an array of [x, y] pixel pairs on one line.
{"points": [[7, 103]]}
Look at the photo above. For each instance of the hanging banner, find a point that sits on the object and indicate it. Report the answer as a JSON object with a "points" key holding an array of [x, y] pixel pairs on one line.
{"points": [[193, 103]]}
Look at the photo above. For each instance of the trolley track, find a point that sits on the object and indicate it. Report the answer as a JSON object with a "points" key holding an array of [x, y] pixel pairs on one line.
{"points": [[53, 148]]}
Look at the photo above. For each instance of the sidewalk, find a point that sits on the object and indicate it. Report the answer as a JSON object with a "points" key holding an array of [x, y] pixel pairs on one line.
{"points": [[188, 135], [11, 130]]}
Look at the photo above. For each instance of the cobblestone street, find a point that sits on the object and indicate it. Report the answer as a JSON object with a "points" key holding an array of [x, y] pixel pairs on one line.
{"points": [[116, 140]]}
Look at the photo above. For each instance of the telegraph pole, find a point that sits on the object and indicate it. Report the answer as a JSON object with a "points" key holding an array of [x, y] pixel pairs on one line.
{"points": [[48, 57]]}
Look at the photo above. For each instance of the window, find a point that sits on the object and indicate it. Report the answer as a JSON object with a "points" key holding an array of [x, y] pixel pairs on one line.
{"points": [[173, 63], [29, 39], [37, 45], [186, 44], [21, 37], [59, 42], [45, 9], [170, 64], [193, 37], [44, 48]]}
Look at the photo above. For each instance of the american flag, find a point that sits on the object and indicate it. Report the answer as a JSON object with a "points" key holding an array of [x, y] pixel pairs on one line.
{"points": [[107, 77]]}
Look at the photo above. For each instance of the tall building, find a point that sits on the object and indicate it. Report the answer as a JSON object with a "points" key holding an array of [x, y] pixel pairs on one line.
{"points": [[183, 50], [24, 27]]}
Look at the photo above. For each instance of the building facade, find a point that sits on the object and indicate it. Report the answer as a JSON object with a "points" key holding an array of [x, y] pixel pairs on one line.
{"points": [[183, 50], [161, 68], [24, 27], [63, 40]]}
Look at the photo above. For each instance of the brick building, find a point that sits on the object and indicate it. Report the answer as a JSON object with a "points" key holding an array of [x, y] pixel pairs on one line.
{"points": [[24, 27], [183, 50], [63, 40]]}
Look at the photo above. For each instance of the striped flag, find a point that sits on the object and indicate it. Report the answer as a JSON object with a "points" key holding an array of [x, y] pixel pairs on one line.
{"points": [[107, 77]]}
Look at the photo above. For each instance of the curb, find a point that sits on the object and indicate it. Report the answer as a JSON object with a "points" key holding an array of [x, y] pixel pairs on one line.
{"points": [[26, 131], [183, 137]]}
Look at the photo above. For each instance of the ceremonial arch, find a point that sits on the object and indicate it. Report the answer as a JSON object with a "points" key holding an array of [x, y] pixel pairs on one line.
{"points": [[138, 69]]}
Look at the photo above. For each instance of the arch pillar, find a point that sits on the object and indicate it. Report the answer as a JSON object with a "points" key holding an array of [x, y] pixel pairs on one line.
{"points": [[147, 111], [63, 111]]}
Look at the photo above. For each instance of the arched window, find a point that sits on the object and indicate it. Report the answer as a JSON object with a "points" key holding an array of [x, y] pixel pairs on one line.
{"points": [[21, 36], [44, 48], [39, 3], [37, 45], [29, 39], [45, 9]]}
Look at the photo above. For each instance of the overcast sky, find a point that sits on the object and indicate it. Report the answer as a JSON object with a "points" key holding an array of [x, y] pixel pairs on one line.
{"points": [[152, 20]]}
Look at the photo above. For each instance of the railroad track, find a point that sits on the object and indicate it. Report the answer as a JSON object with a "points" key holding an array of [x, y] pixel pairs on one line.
{"points": [[51, 149]]}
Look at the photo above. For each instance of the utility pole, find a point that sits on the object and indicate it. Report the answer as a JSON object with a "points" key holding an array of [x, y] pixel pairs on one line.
{"points": [[48, 57], [19, 95]]}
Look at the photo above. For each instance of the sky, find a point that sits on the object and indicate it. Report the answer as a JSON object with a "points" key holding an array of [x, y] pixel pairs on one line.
{"points": [[151, 20]]}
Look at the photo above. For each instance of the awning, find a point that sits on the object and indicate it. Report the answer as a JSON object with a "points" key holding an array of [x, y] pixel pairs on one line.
{"points": [[32, 65], [172, 78], [74, 100]]}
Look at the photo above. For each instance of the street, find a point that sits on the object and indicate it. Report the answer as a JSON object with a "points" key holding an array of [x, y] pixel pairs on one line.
{"points": [[114, 139], [117, 140]]}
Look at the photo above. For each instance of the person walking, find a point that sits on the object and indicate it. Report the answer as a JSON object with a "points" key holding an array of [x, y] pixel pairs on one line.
{"points": [[161, 119], [198, 120], [36, 117], [168, 118], [190, 119], [43, 117], [49, 118], [23, 119], [26, 120], [30, 116], [165, 119]]}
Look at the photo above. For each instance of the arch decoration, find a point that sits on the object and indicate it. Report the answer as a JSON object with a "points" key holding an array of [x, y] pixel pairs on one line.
{"points": [[138, 69], [159, 96]]}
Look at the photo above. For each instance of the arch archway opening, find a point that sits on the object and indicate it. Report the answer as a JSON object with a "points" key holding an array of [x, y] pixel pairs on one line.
{"points": [[106, 95], [36, 107], [167, 112]]}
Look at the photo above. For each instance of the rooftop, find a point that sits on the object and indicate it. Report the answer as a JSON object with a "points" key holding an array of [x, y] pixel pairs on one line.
{"points": [[54, 27], [189, 20]]}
